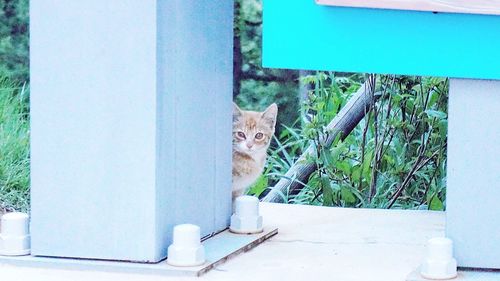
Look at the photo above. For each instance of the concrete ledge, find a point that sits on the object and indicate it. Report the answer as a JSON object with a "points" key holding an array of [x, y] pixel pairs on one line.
{"points": [[314, 243], [463, 275], [218, 248]]}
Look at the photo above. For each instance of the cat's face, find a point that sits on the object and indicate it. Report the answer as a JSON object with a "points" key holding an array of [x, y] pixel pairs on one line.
{"points": [[253, 131]]}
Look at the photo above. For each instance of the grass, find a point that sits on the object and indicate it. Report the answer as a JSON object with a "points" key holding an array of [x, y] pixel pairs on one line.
{"points": [[14, 147]]}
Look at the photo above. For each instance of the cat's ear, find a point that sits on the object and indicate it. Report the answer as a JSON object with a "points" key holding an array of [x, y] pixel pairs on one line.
{"points": [[269, 115], [237, 112]]}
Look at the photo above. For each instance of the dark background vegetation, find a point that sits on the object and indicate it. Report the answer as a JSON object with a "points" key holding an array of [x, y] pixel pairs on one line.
{"points": [[395, 157], [14, 40], [14, 105]]}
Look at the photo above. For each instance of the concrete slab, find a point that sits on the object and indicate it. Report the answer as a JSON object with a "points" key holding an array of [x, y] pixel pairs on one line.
{"points": [[218, 249], [463, 275], [314, 243]]}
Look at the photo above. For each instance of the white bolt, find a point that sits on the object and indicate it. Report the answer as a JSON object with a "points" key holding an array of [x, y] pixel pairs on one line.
{"points": [[439, 262], [186, 248], [14, 238], [246, 219]]}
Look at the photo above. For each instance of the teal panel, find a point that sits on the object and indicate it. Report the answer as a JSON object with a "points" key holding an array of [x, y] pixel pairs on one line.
{"points": [[299, 34]]}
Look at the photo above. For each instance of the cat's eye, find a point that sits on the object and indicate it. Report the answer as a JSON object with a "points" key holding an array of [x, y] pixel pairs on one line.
{"points": [[241, 135], [259, 136]]}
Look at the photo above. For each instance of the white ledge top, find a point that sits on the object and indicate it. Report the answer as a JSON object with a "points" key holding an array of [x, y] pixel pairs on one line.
{"points": [[484, 7], [313, 243]]}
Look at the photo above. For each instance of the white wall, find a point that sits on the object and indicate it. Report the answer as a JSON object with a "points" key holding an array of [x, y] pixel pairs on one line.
{"points": [[130, 110], [473, 180]]}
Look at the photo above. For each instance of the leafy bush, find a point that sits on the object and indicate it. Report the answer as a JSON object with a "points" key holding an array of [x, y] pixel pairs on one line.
{"points": [[395, 157]]}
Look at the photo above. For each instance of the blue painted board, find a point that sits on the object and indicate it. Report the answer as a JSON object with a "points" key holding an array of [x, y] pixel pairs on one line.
{"points": [[473, 172], [130, 124], [93, 126], [299, 34], [194, 84]]}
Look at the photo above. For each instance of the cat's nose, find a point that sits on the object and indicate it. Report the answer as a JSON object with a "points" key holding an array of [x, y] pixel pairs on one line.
{"points": [[249, 144]]}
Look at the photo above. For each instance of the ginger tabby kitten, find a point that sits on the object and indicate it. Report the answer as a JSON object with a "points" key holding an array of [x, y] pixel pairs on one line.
{"points": [[252, 134]]}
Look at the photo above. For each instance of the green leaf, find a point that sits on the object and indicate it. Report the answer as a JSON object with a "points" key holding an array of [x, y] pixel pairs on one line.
{"points": [[366, 164], [347, 195], [344, 167], [435, 113], [327, 191], [436, 204], [335, 187], [356, 172], [443, 128], [259, 186], [337, 150], [434, 96]]}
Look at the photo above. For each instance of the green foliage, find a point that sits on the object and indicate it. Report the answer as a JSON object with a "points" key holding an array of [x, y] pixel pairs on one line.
{"points": [[14, 146], [259, 186], [395, 157], [14, 40]]}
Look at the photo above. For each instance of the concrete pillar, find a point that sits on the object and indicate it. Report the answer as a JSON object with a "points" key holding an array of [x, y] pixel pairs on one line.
{"points": [[473, 177], [131, 124]]}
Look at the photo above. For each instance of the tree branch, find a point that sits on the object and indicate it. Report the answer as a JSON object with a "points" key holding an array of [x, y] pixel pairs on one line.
{"points": [[345, 121], [253, 23]]}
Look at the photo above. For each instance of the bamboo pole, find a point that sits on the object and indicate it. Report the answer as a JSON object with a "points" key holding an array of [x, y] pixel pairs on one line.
{"points": [[345, 121]]}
